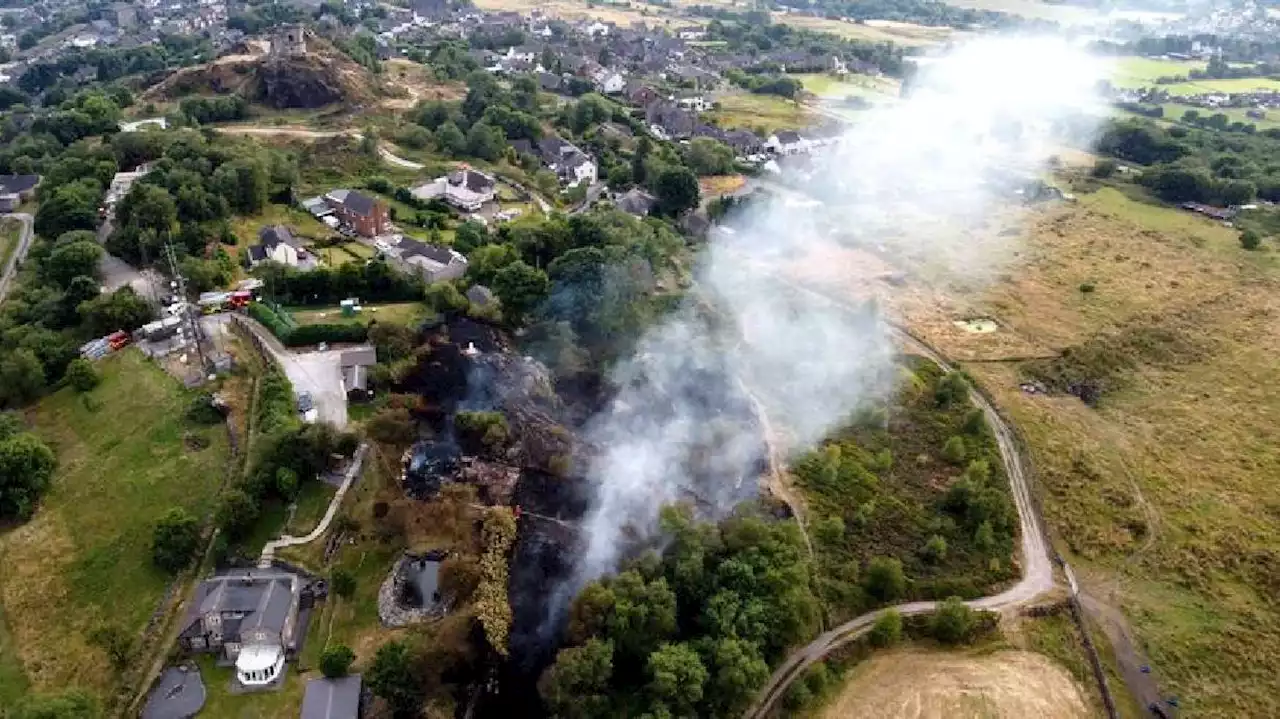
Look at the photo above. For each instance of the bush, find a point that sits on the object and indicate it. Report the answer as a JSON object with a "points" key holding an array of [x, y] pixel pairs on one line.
{"points": [[953, 622], [935, 550], [884, 579], [342, 583], [336, 660], [1104, 168], [1087, 288], [887, 630], [1250, 240], [174, 540], [954, 451], [202, 410], [81, 375], [236, 514], [952, 389], [482, 430]]}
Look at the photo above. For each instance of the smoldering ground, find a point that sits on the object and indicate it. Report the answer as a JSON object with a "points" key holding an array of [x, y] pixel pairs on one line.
{"points": [[915, 176]]}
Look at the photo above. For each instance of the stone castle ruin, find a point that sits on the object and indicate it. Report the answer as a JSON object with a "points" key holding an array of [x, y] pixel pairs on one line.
{"points": [[289, 41]]}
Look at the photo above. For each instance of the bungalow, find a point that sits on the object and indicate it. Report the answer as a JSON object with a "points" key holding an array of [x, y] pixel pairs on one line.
{"points": [[275, 243], [16, 189], [466, 189], [435, 263], [248, 618], [673, 121], [354, 365], [367, 216]]}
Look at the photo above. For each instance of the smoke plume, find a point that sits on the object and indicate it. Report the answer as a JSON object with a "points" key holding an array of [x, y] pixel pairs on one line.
{"points": [[918, 178]]}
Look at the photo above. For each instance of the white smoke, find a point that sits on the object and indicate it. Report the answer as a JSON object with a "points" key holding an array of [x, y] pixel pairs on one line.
{"points": [[918, 177]]}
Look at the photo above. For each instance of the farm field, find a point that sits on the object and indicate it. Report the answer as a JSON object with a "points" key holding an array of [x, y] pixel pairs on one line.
{"points": [[1133, 71], [1241, 84], [912, 683], [899, 33], [829, 86], [764, 113], [621, 13], [83, 562], [1062, 13]]}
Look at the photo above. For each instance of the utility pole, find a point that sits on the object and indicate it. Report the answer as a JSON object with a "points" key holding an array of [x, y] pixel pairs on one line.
{"points": [[190, 321]]}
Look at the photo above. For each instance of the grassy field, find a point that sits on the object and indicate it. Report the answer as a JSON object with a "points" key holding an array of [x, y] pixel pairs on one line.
{"points": [[405, 313], [762, 113], [1241, 84], [1134, 71], [1163, 496], [622, 13], [899, 33], [220, 703], [84, 561], [830, 86]]}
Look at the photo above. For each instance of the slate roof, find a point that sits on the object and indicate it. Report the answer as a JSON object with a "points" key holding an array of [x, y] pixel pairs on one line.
{"points": [[410, 248], [273, 235], [332, 698], [359, 203], [16, 184], [474, 181], [263, 601], [636, 202]]}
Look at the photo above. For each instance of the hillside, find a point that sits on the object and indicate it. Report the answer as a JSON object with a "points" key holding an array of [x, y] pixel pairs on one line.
{"points": [[324, 75]]}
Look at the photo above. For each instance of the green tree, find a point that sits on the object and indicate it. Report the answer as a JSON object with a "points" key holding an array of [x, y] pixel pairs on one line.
{"points": [[123, 310], [22, 377], [952, 622], [706, 156], [887, 630], [952, 389], [393, 677], [450, 140], [26, 466], [236, 514], [644, 614], [677, 677], [954, 450], [737, 673], [485, 142], [336, 660], [884, 579], [81, 375], [676, 189], [174, 540], [520, 288], [984, 537], [1250, 240], [69, 261], [576, 686], [73, 206]]}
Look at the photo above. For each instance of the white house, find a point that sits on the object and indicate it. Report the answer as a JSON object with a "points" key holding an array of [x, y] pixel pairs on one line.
{"points": [[786, 142], [275, 243], [610, 82], [465, 189]]}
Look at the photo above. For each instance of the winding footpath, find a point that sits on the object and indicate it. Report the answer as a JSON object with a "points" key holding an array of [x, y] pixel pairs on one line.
{"points": [[19, 252], [1037, 557], [353, 471]]}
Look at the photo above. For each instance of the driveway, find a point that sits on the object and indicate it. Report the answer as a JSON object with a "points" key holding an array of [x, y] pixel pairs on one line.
{"points": [[178, 694], [319, 373]]}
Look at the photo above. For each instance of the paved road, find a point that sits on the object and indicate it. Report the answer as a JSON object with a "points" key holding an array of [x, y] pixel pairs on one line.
{"points": [[1036, 559], [319, 373], [19, 253]]}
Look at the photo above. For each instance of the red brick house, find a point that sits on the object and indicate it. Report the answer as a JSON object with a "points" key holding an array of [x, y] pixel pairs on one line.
{"points": [[367, 216]]}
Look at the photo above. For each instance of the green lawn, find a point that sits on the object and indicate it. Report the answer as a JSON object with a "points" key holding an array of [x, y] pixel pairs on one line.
{"points": [[83, 561], [762, 113], [1132, 71], [830, 86], [1241, 84], [220, 703], [406, 313]]}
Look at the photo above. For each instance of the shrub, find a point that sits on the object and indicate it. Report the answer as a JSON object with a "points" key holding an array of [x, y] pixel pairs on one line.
{"points": [[1250, 240], [342, 583], [336, 660], [887, 630], [1104, 168], [953, 622], [952, 389], [1087, 288], [954, 451], [81, 375], [935, 550], [236, 514], [202, 410], [884, 579]]}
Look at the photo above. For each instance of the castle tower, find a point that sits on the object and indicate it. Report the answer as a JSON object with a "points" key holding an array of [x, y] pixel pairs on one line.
{"points": [[288, 41]]}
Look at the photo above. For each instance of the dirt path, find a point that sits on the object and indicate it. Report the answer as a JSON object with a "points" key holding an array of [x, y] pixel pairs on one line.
{"points": [[1037, 563], [285, 540], [914, 684], [19, 252]]}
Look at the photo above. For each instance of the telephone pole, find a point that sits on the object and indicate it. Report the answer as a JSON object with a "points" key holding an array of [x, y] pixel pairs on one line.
{"points": [[189, 316]]}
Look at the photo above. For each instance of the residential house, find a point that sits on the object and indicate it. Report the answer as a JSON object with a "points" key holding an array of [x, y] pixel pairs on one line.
{"points": [[433, 262], [332, 698], [642, 95], [367, 216], [466, 189], [786, 142], [16, 189], [248, 618], [550, 82], [673, 121], [571, 165], [693, 101], [744, 142], [354, 365], [277, 244], [610, 82], [636, 202]]}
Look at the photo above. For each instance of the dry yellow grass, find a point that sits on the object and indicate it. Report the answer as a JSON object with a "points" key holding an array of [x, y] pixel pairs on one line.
{"points": [[1164, 497], [622, 14], [899, 33], [914, 684], [716, 185]]}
